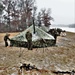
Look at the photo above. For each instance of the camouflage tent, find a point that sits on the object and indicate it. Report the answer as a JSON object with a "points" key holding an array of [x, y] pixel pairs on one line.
{"points": [[39, 39]]}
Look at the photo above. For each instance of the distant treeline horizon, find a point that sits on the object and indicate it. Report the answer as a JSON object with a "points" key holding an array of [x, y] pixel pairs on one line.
{"points": [[63, 25], [5, 29]]}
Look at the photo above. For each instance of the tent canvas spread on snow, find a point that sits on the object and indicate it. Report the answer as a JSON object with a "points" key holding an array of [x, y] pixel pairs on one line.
{"points": [[39, 39]]}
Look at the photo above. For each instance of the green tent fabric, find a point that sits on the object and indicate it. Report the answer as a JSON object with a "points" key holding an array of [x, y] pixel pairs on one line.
{"points": [[20, 39]]}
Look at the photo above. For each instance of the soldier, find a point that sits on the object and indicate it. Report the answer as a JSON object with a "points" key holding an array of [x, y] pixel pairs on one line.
{"points": [[29, 40], [6, 37], [59, 31], [54, 33]]}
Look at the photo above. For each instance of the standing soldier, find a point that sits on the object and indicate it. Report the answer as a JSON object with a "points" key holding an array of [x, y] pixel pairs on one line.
{"points": [[54, 33], [6, 37], [29, 40]]}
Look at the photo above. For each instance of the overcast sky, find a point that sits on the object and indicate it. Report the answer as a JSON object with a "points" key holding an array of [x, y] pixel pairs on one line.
{"points": [[63, 11]]}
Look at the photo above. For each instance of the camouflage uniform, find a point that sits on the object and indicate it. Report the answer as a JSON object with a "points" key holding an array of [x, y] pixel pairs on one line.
{"points": [[29, 40], [59, 31], [55, 34], [6, 37]]}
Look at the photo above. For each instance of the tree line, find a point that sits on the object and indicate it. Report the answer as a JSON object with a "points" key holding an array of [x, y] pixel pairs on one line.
{"points": [[17, 15]]}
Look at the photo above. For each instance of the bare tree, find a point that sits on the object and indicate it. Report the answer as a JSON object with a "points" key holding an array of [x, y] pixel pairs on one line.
{"points": [[46, 17], [26, 7], [9, 9], [22, 14]]}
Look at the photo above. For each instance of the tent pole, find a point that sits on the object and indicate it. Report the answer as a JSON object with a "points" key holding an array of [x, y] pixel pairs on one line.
{"points": [[33, 26], [34, 11]]}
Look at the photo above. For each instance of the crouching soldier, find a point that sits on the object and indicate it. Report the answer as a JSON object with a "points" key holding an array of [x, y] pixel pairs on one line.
{"points": [[29, 40], [6, 38]]}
